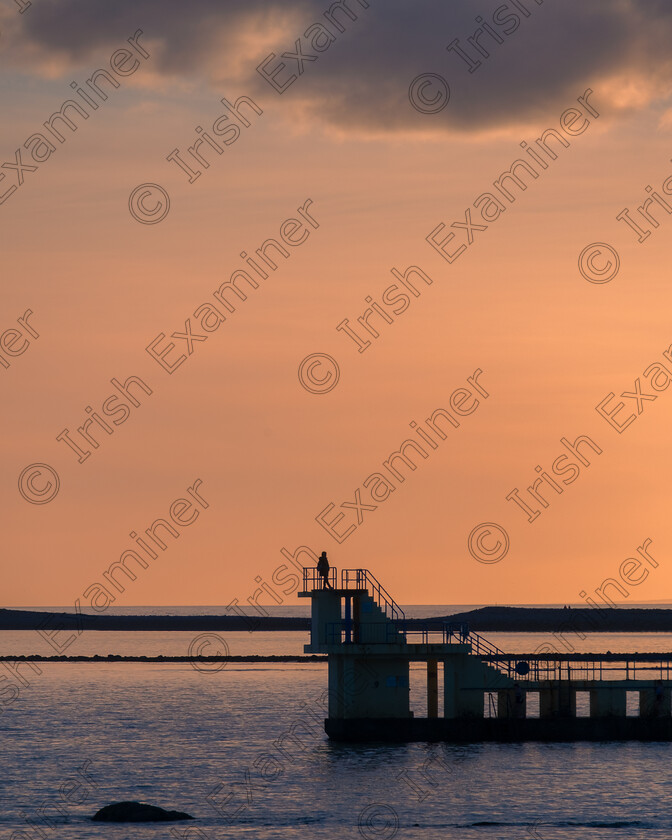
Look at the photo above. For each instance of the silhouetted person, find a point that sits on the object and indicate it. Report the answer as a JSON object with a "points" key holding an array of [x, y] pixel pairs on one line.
{"points": [[323, 570]]}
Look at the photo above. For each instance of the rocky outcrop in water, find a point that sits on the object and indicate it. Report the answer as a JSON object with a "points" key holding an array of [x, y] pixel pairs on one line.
{"points": [[137, 812]]}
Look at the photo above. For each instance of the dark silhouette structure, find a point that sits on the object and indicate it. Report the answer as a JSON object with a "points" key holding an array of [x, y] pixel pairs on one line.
{"points": [[485, 690]]}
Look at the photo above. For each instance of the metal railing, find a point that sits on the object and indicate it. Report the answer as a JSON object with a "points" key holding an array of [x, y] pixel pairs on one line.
{"points": [[348, 631], [516, 668], [355, 579], [592, 668], [479, 645], [312, 579], [567, 667], [363, 579], [423, 635], [379, 632]]}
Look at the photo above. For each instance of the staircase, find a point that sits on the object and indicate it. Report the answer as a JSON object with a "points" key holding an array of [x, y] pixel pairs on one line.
{"points": [[495, 659], [368, 614], [373, 626], [363, 579]]}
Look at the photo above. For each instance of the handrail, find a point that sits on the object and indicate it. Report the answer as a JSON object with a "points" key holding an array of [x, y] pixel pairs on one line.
{"points": [[483, 648], [481, 645], [363, 633], [312, 579], [363, 579], [541, 668]]}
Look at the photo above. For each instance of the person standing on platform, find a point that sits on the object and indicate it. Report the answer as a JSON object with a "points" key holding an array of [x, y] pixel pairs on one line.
{"points": [[323, 570]]}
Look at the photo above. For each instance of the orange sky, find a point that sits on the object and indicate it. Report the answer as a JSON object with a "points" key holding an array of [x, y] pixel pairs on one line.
{"points": [[367, 178]]}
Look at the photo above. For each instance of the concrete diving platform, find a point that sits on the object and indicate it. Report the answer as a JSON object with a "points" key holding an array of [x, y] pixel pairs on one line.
{"points": [[487, 694]]}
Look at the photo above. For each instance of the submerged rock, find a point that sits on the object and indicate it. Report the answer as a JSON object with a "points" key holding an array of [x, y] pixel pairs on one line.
{"points": [[137, 812]]}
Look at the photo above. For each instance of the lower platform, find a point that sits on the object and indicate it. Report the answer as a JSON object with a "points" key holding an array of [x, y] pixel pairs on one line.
{"points": [[470, 730]]}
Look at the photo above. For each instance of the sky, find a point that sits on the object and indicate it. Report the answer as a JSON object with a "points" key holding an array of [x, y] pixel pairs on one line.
{"points": [[283, 278]]}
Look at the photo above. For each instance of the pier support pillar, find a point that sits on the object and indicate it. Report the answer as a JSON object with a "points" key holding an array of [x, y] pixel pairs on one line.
{"points": [[655, 702], [557, 701], [325, 618], [368, 687], [461, 697], [511, 703], [607, 702], [432, 688]]}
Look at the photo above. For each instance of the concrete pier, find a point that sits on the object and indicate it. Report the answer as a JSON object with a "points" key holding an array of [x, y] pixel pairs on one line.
{"points": [[369, 649], [501, 729]]}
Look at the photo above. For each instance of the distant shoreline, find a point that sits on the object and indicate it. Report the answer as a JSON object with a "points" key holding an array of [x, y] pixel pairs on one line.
{"points": [[493, 619], [50, 622]]}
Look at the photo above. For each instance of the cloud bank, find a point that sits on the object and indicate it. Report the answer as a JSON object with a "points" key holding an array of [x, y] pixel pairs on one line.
{"points": [[510, 62]]}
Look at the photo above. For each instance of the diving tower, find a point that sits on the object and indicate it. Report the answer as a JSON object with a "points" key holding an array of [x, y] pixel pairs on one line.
{"points": [[370, 647]]}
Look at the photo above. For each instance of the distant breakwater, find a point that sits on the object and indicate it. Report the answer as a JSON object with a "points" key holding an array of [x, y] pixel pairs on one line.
{"points": [[35, 620], [493, 619], [571, 620]]}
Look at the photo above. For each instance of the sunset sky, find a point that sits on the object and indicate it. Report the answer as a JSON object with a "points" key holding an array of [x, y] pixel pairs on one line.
{"points": [[374, 140]]}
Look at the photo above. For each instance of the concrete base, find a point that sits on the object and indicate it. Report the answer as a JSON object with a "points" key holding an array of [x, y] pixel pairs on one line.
{"points": [[492, 729], [559, 701], [655, 702], [511, 703], [606, 702]]}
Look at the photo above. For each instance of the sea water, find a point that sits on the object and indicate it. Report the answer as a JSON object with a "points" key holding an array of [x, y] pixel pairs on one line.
{"points": [[244, 751]]}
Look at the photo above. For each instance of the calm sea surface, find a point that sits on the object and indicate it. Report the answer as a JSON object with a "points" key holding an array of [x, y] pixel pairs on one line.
{"points": [[244, 751]]}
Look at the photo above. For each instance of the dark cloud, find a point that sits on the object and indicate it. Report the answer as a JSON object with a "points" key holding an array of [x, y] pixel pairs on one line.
{"points": [[361, 81]]}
